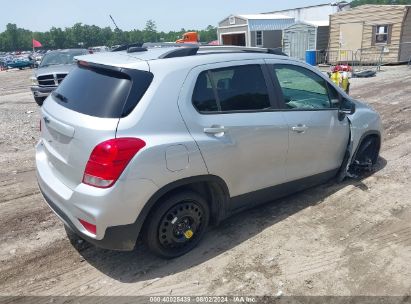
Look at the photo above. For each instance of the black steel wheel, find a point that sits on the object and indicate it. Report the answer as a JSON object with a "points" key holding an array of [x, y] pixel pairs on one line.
{"points": [[177, 225]]}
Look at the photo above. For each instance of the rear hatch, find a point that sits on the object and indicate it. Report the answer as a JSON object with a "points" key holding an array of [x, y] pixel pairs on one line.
{"points": [[84, 111]]}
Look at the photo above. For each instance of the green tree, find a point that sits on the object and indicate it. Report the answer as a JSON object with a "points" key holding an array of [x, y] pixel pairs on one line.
{"points": [[15, 38], [150, 31], [58, 38], [11, 36], [209, 34], [355, 3]]}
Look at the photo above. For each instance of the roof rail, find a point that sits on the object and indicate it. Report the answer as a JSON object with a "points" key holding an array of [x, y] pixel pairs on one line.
{"points": [[180, 52], [277, 51], [167, 44], [179, 49], [189, 49], [135, 49], [126, 47], [183, 50], [230, 48]]}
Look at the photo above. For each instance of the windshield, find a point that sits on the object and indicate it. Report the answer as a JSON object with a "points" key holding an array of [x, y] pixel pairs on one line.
{"points": [[55, 58]]}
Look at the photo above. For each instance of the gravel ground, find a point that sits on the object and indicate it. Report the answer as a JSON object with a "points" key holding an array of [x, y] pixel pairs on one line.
{"points": [[351, 238]]}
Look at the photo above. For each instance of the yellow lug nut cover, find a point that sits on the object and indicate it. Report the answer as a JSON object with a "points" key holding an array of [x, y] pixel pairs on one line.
{"points": [[188, 234]]}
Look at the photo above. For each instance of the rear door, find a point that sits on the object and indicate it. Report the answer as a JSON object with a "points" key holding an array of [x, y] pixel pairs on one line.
{"points": [[318, 137], [84, 111], [228, 109]]}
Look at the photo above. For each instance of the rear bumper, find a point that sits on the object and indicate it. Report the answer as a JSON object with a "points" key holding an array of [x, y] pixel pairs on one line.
{"points": [[42, 91], [114, 211], [116, 238]]}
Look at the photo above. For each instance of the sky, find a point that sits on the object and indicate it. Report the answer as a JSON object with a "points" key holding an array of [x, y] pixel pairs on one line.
{"points": [[41, 15]]}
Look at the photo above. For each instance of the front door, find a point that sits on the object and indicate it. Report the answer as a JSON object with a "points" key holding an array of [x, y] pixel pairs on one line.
{"points": [[317, 137], [351, 36]]}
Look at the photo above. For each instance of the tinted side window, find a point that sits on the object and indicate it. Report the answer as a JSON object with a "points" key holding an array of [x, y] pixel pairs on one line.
{"points": [[238, 88], [203, 95], [241, 88], [102, 93], [302, 88]]}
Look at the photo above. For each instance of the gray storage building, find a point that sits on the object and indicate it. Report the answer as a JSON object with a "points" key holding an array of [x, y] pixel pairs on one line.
{"points": [[305, 35], [263, 30]]}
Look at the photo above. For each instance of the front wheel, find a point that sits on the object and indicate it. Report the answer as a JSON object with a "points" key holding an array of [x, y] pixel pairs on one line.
{"points": [[367, 154], [177, 225]]}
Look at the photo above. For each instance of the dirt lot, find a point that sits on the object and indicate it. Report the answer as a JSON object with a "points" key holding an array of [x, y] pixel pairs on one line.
{"points": [[352, 238]]}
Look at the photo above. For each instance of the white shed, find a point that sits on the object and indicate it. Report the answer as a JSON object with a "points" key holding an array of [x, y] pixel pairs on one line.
{"points": [[305, 35], [262, 30]]}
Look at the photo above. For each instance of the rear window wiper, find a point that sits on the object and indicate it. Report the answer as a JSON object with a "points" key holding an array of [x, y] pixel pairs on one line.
{"points": [[60, 97]]}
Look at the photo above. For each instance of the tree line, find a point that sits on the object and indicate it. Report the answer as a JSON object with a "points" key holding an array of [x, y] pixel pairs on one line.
{"points": [[83, 35], [355, 3]]}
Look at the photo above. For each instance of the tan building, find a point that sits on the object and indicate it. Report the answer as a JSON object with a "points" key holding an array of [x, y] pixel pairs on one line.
{"points": [[386, 27]]}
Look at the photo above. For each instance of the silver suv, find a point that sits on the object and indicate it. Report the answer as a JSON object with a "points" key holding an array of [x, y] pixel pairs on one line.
{"points": [[162, 142]]}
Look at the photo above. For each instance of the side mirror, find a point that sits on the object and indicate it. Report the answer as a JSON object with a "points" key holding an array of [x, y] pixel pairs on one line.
{"points": [[347, 107]]}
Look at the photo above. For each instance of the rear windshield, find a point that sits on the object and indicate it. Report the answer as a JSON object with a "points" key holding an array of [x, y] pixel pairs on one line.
{"points": [[102, 93]]}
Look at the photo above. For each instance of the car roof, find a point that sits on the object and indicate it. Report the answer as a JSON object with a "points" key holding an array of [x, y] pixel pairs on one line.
{"points": [[202, 56], [69, 51]]}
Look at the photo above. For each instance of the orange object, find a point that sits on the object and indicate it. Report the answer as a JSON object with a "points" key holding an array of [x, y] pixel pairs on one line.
{"points": [[189, 37]]}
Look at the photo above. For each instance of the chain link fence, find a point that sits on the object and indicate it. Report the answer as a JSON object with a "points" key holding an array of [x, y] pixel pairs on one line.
{"points": [[368, 59], [365, 60]]}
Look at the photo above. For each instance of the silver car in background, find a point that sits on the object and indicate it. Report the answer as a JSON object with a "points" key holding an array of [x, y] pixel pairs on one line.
{"points": [[159, 143], [54, 66]]}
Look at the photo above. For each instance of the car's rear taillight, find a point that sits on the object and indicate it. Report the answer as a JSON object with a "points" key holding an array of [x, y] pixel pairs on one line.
{"points": [[89, 226], [109, 159]]}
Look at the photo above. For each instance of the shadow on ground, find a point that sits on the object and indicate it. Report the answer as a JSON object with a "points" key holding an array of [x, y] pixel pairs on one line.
{"points": [[140, 265]]}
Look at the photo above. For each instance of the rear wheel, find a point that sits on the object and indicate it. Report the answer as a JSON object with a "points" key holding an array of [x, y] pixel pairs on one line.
{"points": [[39, 100], [177, 225]]}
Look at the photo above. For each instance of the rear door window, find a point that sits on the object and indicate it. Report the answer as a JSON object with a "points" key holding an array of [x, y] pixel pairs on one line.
{"points": [[238, 88], [102, 93]]}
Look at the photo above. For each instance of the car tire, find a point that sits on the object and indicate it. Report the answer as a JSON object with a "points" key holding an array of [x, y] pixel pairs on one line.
{"points": [[177, 224], [39, 100], [368, 151], [366, 156]]}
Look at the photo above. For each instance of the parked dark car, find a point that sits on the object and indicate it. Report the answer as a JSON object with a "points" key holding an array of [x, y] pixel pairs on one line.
{"points": [[53, 68]]}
